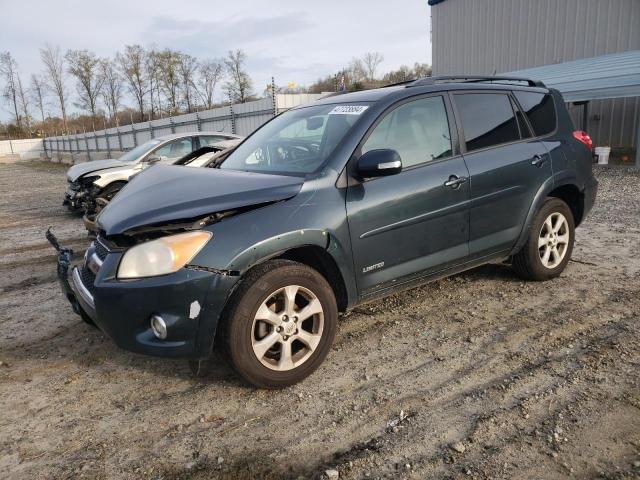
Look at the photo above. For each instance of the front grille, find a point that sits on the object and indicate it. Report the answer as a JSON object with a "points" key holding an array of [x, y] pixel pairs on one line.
{"points": [[101, 249], [88, 278], [86, 274]]}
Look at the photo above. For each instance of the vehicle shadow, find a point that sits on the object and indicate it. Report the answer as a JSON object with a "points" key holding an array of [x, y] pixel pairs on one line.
{"points": [[491, 271], [94, 353]]}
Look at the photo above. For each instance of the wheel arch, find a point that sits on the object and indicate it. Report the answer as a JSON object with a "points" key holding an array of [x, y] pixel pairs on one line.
{"points": [[570, 194], [320, 260], [566, 189], [122, 183], [319, 249]]}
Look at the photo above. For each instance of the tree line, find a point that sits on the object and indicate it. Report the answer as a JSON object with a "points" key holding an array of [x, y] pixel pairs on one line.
{"points": [[136, 84], [139, 84]]}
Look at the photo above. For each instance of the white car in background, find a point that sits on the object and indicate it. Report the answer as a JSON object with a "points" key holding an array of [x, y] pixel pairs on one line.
{"points": [[102, 179], [205, 156]]}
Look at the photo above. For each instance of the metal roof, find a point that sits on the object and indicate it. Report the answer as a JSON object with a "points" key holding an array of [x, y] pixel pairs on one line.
{"points": [[608, 76]]}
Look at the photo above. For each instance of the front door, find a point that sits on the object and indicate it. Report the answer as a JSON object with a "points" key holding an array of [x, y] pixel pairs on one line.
{"points": [[406, 225]]}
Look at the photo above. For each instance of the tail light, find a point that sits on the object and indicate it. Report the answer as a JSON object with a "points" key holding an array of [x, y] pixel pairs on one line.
{"points": [[584, 138]]}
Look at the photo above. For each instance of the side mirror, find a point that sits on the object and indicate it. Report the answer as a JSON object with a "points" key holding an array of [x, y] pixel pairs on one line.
{"points": [[379, 163]]}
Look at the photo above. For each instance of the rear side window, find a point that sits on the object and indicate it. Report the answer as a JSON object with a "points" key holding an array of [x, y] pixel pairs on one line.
{"points": [[539, 110], [487, 119], [418, 130], [211, 139]]}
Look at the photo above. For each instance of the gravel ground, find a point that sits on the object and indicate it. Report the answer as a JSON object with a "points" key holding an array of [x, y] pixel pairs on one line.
{"points": [[475, 376]]}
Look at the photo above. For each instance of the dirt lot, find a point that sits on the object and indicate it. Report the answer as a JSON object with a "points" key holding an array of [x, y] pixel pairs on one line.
{"points": [[475, 376]]}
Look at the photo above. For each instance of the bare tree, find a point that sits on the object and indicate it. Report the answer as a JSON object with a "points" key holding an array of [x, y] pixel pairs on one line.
{"points": [[371, 61], [210, 74], [38, 94], [54, 68], [187, 68], [152, 71], [356, 71], [402, 74], [131, 63], [421, 70], [169, 62], [23, 101], [111, 87], [8, 70], [239, 84], [86, 68]]}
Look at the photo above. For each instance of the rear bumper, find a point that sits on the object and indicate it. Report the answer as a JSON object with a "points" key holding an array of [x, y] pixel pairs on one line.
{"points": [[189, 301]]}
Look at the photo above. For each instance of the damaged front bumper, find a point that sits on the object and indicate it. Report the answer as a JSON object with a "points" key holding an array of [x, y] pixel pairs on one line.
{"points": [[190, 301], [80, 196], [75, 197]]}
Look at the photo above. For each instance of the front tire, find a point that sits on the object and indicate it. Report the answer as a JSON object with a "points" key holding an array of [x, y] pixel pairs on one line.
{"points": [[549, 243], [280, 324], [111, 190]]}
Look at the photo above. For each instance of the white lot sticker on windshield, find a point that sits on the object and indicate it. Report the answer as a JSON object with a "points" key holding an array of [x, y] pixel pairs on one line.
{"points": [[348, 109]]}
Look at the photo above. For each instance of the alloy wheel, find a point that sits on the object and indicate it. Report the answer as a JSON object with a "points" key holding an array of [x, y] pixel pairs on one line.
{"points": [[287, 328], [553, 240]]}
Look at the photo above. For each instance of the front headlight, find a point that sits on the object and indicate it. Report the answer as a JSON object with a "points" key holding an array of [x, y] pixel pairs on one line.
{"points": [[163, 255]]}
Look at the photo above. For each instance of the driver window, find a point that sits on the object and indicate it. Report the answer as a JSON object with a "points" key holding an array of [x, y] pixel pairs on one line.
{"points": [[175, 149], [417, 130]]}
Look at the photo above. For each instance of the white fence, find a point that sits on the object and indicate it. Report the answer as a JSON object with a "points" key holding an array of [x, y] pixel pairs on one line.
{"points": [[241, 119], [26, 149]]}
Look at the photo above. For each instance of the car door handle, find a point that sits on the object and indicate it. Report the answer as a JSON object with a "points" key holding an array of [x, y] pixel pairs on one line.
{"points": [[538, 160], [455, 181]]}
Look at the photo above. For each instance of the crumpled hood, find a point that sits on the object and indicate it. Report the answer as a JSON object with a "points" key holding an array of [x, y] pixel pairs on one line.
{"points": [[77, 171], [168, 193]]}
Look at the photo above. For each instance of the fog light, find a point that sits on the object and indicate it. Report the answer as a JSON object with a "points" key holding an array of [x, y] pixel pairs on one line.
{"points": [[159, 327]]}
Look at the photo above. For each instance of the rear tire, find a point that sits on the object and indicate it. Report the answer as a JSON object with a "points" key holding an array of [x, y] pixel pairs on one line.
{"points": [[549, 243], [280, 324]]}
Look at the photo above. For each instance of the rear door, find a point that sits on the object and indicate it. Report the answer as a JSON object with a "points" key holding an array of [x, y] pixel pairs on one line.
{"points": [[506, 165], [409, 224]]}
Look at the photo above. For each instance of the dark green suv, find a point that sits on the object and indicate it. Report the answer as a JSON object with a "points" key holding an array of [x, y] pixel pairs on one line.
{"points": [[329, 205]]}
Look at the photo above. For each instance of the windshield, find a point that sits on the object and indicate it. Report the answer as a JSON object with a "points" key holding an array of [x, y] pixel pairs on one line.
{"points": [[140, 150], [297, 142]]}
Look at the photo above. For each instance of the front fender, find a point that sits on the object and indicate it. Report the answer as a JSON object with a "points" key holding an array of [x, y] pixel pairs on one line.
{"points": [[315, 218], [274, 246], [114, 175]]}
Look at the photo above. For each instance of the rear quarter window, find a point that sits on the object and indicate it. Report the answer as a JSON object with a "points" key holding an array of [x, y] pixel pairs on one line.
{"points": [[487, 119], [540, 111]]}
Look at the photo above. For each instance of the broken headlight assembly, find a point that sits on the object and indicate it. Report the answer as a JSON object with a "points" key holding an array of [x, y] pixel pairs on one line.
{"points": [[163, 255]]}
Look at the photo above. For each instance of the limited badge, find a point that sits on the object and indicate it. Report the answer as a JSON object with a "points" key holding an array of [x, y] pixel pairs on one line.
{"points": [[348, 109]]}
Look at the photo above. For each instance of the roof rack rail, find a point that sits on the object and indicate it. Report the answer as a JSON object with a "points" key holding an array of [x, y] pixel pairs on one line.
{"points": [[474, 78], [397, 84]]}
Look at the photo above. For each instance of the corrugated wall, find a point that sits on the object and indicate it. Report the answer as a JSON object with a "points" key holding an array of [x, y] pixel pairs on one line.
{"points": [[246, 118], [489, 36]]}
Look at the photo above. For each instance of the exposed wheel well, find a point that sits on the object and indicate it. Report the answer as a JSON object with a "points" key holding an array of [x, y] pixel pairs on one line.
{"points": [[573, 198], [318, 259]]}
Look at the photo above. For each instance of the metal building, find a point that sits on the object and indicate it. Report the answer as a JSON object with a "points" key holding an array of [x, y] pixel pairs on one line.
{"points": [[495, 36]]}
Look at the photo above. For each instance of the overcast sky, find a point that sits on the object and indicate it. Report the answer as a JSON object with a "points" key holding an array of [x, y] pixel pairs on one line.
{"points": [[295, 41]]}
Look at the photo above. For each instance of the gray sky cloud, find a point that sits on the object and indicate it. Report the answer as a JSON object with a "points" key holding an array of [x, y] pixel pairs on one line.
{"points": [[291, 40]]}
